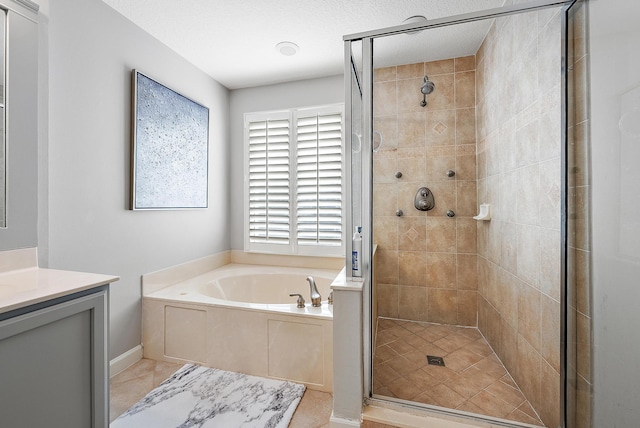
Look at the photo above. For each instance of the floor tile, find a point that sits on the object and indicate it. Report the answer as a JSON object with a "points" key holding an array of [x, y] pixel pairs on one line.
{"points": [[473, 379], [128, 387]]}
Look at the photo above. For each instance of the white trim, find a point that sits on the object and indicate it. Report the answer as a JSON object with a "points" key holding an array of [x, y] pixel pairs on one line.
{"points": [[124, 361], [335, 422]]}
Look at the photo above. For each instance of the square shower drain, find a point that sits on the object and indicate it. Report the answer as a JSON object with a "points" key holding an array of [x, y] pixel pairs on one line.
{"points": [[435, 361]]}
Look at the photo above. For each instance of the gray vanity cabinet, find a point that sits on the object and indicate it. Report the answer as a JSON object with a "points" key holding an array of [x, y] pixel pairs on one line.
{"points": [[53, 363]]}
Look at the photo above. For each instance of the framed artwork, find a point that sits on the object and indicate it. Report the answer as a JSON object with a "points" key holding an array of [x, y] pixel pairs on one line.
{"points": [[169, 149]]}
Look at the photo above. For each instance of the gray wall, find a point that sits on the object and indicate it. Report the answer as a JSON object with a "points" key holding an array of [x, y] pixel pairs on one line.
{"points": [[92, 50], [22, 134], [614, 38], [302, 93]]}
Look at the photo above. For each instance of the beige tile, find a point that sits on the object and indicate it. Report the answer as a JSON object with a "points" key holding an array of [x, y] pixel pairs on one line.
{"points": [[412, 267], [384, 73], [409, 95], [384, 101], [443, 96], [385, 232], [387, 300], [439, 67], [467, 272], [465, 126], [549, 408], [385, 199], [388, 127], [529, 315], [467, 308], [441, 270], [528, 247], [412, 168], [412, 303], [440, 127], [550, 331], [386, 267], [412, 233], [527, 373], [465, 89], [492, 405], [465, 168], [467, 204], [465, 63], [314, 410], [437, 166], [385, 165], [443, 305], [411, 129], [444, 193], [410, 71], [445, 396], [441, 233]]}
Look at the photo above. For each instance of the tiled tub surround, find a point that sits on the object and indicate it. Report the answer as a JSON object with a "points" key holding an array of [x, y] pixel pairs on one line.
{"points": [[263, 334], [426, 261]]}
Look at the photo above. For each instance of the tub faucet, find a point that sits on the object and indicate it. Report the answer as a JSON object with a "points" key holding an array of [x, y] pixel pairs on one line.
{"points": [[315, 296]]}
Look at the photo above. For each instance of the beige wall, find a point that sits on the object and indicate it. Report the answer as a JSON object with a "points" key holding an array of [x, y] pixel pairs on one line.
{"points": [[426, 261], [519, 174]]}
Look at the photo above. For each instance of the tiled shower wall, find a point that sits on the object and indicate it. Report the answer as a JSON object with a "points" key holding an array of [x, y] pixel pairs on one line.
{"points": [[519, 174], [426, 262]]}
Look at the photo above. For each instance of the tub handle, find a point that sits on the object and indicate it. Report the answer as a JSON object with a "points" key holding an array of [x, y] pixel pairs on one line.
{"points": [[300, 299]]}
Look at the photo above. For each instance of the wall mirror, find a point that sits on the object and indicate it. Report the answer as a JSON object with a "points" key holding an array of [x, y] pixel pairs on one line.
{"points": [[3, 145]]}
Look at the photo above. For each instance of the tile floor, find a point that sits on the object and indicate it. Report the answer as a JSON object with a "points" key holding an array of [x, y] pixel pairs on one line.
{"points": [[129, 386], [473, 378]]}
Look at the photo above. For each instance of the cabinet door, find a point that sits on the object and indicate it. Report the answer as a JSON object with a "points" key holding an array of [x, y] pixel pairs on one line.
{"points": [[53, 369]]}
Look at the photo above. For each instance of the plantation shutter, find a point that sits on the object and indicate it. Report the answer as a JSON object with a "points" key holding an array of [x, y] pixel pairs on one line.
{"points": [[269, 180], [319, 177]]}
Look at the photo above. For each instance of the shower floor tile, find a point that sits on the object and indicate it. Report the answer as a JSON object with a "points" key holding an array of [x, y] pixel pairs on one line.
{"points": [[472, 380]]}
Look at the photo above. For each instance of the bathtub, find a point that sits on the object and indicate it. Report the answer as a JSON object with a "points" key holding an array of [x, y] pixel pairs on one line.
{"points": [[241, 318]]}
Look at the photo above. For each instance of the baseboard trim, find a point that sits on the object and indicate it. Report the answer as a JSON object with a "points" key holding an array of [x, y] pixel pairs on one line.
{"points": [[124, 361], [336, 422]]}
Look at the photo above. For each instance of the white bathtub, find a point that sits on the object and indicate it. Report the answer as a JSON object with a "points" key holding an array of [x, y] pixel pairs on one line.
{"points": [[241, 318]]}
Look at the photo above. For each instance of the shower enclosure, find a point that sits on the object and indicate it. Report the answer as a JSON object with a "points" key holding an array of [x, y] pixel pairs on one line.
{"points": [[465, 309]]}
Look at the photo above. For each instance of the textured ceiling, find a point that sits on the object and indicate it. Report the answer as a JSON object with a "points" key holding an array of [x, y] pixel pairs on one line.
{"points": [[234, 41]]}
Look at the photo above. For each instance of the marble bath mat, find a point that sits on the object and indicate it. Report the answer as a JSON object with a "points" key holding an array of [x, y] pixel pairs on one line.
{"points": [[202, 397]]}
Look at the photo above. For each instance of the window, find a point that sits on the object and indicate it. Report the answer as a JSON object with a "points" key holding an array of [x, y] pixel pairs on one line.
{"points": [[294, 181]]}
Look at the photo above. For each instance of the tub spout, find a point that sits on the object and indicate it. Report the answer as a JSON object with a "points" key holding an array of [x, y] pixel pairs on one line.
{"points": [[315, 296]]}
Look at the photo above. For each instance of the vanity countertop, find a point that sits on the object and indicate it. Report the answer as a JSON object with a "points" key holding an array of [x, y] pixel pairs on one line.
{"points": [[23, 287]]}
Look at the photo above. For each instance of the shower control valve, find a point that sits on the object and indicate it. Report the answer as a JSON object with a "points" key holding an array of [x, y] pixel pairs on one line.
{"points": [[424, 200]]}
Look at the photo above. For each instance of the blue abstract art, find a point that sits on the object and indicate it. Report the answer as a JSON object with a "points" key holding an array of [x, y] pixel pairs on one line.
{"points": [[170, 148]]}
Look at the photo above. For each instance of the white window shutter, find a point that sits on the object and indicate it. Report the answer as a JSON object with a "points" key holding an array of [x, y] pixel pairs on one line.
{"points": [[269, 181], [294, 181], [319, 177]]}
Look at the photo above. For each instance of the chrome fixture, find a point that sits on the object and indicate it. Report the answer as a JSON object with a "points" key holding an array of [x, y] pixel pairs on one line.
{"points": [[398, 174], [315, 296], [399, 213], [424, 200], [427, 87], [450, 213], [300, 300], [451, 173]]}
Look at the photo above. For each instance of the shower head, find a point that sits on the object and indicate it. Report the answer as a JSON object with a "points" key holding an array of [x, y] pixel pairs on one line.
{"points": [[427, 86]]}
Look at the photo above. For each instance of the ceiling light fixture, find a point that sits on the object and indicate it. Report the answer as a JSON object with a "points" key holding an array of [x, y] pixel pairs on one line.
{"points": [[415, 19], [287, 48]]}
